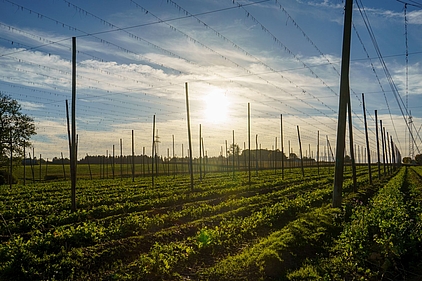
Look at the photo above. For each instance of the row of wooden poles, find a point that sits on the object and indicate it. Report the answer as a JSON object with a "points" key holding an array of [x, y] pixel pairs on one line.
{"points": [[388, 146]]}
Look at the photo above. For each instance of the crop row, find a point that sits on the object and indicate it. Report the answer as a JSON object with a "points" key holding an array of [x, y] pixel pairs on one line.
{"points": [[383, 238]]}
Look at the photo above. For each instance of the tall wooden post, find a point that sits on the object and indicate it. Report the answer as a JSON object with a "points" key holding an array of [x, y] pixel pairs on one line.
{"points": [[227, 158], [133, 156], [203, 156], [68, 127], [40, 174], [106, 162], [24, 164], [344, 99], [189, 137], [200, 152], [256, 154], [175, 162], [275, 155], [317, 156], [183, 161], [378, 145], [300, 151], [352, 152], [112, 164], [383, 145], [367, 140], [89, 167], [393, 156], [233, 153], [73, 156], [153, 150], [290, 160], [64, 170], [32, 164], [11, 160], [282, 146], [390, 168], [121, 159], [143, 161], [249, 141]]}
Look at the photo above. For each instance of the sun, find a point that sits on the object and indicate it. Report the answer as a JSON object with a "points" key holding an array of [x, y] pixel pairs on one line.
{"points": [[216, 107]]}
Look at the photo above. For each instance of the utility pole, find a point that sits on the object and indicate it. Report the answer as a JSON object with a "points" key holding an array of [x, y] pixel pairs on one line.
{"points": [[73, 156], [189, 137], [344, 100]]}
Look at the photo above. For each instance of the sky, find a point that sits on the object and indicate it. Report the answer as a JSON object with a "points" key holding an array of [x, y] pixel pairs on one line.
{"points": [[135, 58]]}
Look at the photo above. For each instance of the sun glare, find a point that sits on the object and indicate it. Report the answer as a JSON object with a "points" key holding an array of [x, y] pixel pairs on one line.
{"points": [[216, 107]]}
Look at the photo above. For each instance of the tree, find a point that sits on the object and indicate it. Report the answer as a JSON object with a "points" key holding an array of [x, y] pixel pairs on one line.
{"points": [[14, 126], [418, 159], [407, 160], [293, 156], [237, 150]]}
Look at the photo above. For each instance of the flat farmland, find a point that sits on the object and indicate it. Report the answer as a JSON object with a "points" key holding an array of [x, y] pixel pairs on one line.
{"points": [[224, 229]]}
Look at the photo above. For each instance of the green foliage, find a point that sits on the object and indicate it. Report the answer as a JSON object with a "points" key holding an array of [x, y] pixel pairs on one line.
{"points": [[15, 127], [5, 177], [418, 159], [381, 236], [224, 229]]}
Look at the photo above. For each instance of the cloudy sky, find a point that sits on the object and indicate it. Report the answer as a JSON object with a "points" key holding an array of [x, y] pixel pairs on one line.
{"points": [[283, 57]]}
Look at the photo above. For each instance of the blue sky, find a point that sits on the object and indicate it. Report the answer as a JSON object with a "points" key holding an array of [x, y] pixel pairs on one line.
{"points": [[134, 57]]}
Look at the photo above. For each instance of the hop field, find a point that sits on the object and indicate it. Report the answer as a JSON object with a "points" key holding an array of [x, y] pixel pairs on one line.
{"points": [[225, 229]]}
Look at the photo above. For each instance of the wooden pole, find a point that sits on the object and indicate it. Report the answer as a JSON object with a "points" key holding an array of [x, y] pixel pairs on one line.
{"points": [[133, 156], [46, 168], [203, 156], [227, 159], [40, 175], [153, 150], [282, 146], [300, 151], [68, 127], [168, 161], [367, 140], [189, 137], [175, 162], [183, 161], [290, 160], [24, 164], [344, 99], [393, 153], [352, 152], [89, 166], [383, 146], [317, 156], [275, 155], [233, 154], [11, 160], [378, 145], [31, 163], [249, 142], [64, 170], [200, 152], [143, 161], [121, 159], [112, 164], [389, 154], [256, 154], [106, 160], [73, 156]]}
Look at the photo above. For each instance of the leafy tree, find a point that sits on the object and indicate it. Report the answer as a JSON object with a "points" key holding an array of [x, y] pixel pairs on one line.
{"points": [[15, 126], [418, 159], [407, 160], [236, 149], [293, 156]]}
